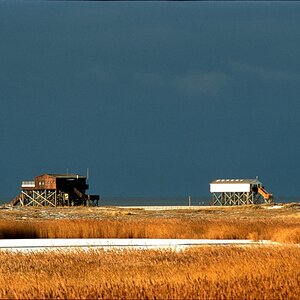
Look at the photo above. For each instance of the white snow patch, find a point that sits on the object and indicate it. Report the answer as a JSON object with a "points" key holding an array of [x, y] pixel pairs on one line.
{"points": [[29, 245], [273, 207]]}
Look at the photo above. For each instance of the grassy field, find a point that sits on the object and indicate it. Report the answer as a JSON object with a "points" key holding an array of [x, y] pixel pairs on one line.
{"points": [[220, 272], [206, 272], [253, 222]]}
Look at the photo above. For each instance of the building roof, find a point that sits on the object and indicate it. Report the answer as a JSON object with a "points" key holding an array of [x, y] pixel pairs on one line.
{"points": [[236, 181], [64, 175]]}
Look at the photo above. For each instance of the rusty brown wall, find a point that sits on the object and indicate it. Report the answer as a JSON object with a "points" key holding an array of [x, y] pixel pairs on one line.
{"points": [[45, 182]]}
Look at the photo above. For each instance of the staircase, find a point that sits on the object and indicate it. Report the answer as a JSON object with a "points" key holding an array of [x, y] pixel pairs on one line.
{"points": [[15, 201], [79, 194], [267, 196]]}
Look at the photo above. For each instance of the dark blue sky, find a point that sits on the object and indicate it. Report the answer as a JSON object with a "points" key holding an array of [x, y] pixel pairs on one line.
{"points": [[155, 98]]}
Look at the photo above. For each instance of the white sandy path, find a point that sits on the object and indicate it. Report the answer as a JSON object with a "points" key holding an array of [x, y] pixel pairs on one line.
{"points": [[109, 244]]}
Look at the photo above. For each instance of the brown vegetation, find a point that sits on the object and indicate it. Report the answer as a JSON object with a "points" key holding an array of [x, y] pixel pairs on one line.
{"points": [[256, 223], [220, 272]]}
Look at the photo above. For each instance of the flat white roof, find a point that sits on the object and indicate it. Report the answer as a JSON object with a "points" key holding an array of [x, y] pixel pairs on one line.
{"points": [[236, 181]]}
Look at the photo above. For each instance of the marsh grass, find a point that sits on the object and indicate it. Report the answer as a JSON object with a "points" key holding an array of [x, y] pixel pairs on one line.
{"points": [[285, 230], [221, 272]]}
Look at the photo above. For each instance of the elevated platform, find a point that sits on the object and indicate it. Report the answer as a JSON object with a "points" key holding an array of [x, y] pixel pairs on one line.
{"points": [[55, 190], [239, 192]]}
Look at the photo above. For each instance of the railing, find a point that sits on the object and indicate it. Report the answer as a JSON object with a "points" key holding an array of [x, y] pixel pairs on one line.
{"points": [[27, 184], [264, 193]]}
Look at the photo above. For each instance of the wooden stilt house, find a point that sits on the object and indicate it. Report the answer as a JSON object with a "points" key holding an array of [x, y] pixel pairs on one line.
{"points": [[55, 190]]}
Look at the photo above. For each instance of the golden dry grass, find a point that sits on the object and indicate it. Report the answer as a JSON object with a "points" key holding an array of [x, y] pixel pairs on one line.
{"points": [[245, 222], [220, 272], [276, 230]]}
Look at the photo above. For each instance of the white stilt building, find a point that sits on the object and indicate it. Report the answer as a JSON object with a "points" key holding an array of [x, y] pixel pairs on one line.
{"points": [[238, 192]]}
